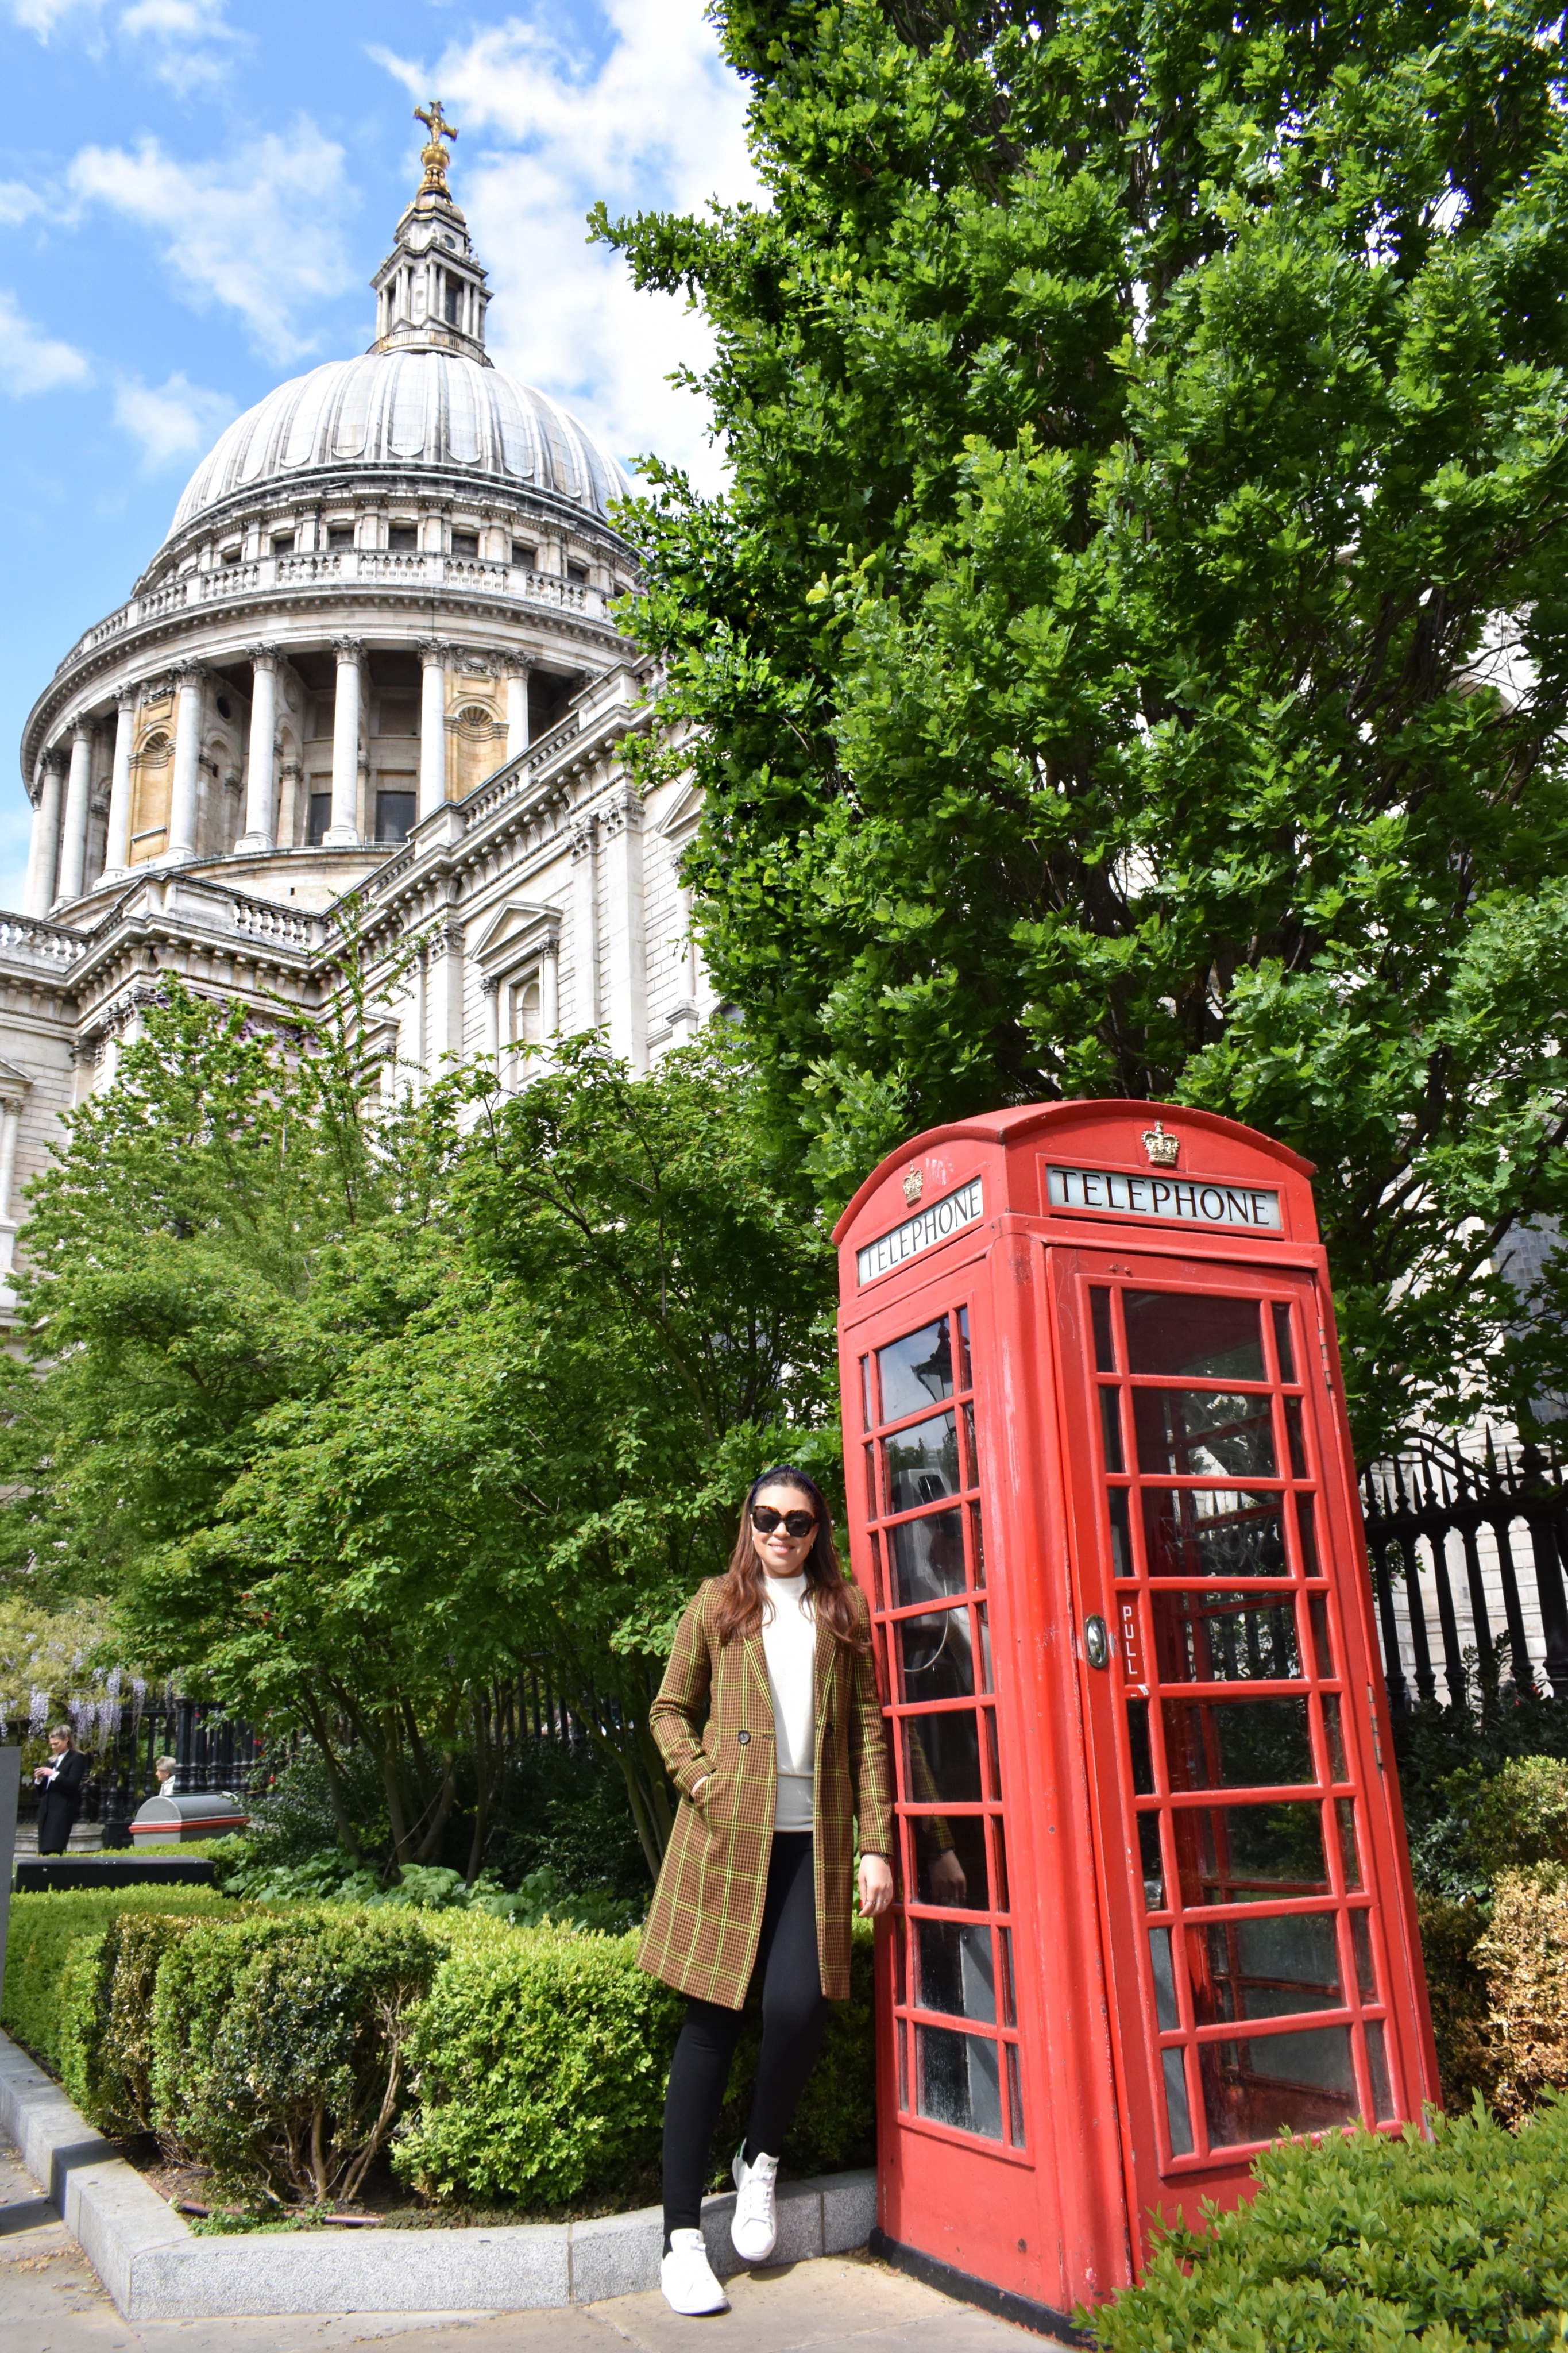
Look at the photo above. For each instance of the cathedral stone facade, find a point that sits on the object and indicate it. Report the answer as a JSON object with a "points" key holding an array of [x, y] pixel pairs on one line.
{"points": [[374, 656]]}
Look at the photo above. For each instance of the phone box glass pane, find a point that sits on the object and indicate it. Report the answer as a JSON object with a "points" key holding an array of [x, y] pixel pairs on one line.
{"points": [[1111, 1427], [950, 1860], [1282, 1347], [1213, 1532], [915, 1371], [1165, 2013], [933, 1655], [1207, 1637], [1249, 1854], [1203, 1433], [1377, 2067], [957, 1969], [958, 2082], [942, 1758], [1193, 1336], [927, 1558], [1104, 1343], [1248, 1967], [1177, 2117], [1015, 2096], [1236, 1744], [1258, 2085], [921, 1464], [1150, 1862]]}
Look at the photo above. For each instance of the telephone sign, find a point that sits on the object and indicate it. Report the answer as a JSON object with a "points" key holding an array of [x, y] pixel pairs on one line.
{"points": [[1154, 1904]]}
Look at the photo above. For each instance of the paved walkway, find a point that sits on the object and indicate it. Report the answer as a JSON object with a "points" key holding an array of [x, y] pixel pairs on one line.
{"points": [[51, 2302]]}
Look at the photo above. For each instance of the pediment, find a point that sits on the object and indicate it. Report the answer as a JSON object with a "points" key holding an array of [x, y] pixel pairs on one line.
{"points": [[13, 1081], [680, 820], [520, 929]]}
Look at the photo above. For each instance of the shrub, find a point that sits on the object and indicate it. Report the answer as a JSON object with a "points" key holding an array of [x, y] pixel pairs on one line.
{"points": [[1456, 1988], [1369, 2244], [279, 2046], [539, 2064], [41, 1967], [1525, 1954], [106, 2041]]}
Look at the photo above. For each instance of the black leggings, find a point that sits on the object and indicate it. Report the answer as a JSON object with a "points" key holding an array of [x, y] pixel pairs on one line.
{"points": [[794, 2014]]}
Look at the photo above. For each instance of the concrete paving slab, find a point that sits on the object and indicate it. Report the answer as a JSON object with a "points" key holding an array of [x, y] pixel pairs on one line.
{"points": [[830, 2304]]}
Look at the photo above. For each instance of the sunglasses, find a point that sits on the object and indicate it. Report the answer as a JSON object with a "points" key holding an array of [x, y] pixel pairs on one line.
{"points": [[767, 1522]]}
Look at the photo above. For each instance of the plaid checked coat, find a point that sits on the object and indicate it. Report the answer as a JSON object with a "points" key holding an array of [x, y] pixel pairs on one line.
{"points": [[714, 1718]]}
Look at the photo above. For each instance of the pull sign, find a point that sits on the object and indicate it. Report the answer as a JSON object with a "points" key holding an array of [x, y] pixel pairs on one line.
{"points": [[1096, 1643]]}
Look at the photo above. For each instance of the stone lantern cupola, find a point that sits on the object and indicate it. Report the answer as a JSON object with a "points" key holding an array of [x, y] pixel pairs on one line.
{"points": [[430, 293]]}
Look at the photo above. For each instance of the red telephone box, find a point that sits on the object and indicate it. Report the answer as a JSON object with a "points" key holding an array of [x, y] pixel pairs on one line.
{"points": [[1154, 1901]]}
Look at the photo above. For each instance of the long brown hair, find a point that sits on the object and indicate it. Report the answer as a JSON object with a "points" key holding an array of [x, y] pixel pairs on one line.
{"points": [[740, 1587]]}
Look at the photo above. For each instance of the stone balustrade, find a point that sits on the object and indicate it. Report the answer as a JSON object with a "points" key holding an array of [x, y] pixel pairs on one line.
{"points": [[24, 935], [346, 567]]}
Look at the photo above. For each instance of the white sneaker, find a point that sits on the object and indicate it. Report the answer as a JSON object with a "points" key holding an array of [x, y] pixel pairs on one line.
{"points": [[754, 2224], [686, 2277]]}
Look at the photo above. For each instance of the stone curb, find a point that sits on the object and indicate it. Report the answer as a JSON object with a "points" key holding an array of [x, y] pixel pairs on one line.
{"points": [[156, 2268]]}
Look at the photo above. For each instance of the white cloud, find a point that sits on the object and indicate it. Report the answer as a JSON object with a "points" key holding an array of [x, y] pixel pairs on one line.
{"points": [[31, 361], [258, 232], [18, 202], [658, 125], [170, 420], [191, 41]]}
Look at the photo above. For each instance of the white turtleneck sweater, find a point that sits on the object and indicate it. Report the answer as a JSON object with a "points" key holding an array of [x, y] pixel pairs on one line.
{"points": [[789, 1642]]}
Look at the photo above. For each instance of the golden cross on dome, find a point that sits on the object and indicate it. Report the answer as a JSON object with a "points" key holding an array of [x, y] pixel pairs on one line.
{"points": [[434, 156], [435, 122]]}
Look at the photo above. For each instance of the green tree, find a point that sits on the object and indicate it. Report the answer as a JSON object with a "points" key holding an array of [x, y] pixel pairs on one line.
{"points": [[1130, 657], [358, 1412]]}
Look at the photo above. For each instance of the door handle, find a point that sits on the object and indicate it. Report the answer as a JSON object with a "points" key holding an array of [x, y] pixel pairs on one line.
{"points": [[1097, 1641]]}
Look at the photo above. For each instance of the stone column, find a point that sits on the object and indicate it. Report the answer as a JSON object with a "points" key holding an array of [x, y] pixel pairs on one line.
{"points": [[43, 850], [260, 794], [626, 948], [343, 830], [117, 847], [549, 988], [10, 1128], [289, 777], [181, 839], [490, 989], [517, 709], [78, 796], [445, 1002], [585, 922], [432, 725]]}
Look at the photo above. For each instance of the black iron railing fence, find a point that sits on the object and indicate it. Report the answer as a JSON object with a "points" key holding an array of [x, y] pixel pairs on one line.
{"points": [[214, 1751], [1468, 1554]]}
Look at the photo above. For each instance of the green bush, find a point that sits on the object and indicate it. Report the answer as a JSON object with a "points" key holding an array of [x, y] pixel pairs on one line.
{"points": [[1368, 2244], [42, 1965], [279, 2046], [1457, 1990], [106, 2039], [538, 2064]]}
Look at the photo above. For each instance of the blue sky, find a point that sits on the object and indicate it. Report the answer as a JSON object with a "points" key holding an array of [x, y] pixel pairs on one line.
{"points": [[196, 192]]}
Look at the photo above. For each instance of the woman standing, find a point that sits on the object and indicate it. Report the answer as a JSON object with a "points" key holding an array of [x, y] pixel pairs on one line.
{"points": [[60, 1790], [770, 1727]]}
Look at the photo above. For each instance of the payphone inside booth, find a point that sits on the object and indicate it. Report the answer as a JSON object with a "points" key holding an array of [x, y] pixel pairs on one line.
{"points": [[1154, 1900]]}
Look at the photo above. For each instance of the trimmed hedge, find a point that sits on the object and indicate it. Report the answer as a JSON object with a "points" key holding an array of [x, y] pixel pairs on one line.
{"points": [[43, 1968], [285, 2048], [539, 2067], [1368, 2244], [279, 2046]]}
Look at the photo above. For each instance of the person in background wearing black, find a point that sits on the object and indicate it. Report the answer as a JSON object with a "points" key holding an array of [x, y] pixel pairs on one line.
{"points": [[60, 1790]]}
